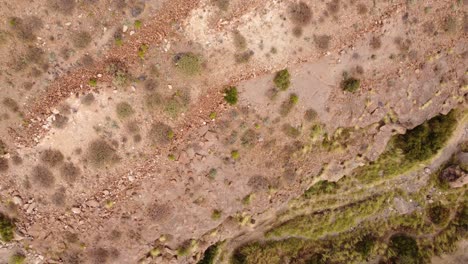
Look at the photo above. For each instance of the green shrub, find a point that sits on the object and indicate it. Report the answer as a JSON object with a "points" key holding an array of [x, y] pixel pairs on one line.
{"points": [[235, 154], [350, 84], [92, 82], [137, 24], [7, 228], [365, 245], [230, 95], [403, 249], [216, 214], [321, 187], [17, 258], [210, 255], [282, 80], [142, 50], [124, 110], [438, 214], [188, 63]]}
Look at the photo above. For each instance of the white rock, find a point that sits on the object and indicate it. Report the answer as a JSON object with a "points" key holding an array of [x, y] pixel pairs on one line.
{"points": [[17, 200], [132, 32], [125, 28], [76, 210]]}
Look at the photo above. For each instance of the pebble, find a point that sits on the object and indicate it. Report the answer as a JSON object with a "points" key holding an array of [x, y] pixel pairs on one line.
{"points": [[125, 28], [132, 32], [92, 203], [17, 200], [427, 170], [68, 24], [131, 178], [76, 210], [31, 208]]}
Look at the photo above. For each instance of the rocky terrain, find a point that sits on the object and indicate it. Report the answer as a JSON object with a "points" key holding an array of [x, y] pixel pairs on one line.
{"points": [[233, 131]]}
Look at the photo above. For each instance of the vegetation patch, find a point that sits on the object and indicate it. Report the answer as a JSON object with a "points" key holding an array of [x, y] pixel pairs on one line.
{"points": [[321, 187], [81, 39], [124, 110], [438, 214], [7, 228], [188, 63], [3, 164], [288, 105], [350, 84], [69, 172], [160, 134], [211, 254], [101, 153], [403, 249], [300, 13], [17, 258], [290, 131], [216, 214], [243, 57], [178, 103], [42, 176], [52, 157], [404, 151], [282, 80], [230, 95], [322, 41]]}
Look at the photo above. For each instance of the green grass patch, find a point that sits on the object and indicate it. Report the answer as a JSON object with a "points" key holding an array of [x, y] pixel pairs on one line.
{"points": [[350, 84], [321, 187], [405, 151], [211, 254]]}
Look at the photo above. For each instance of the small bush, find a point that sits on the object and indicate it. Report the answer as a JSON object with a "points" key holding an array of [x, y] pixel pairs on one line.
{"points": [[52, 157], [321, 187], [17, 258], [322, 41], [153, 101], [258, 183], [310, 115], [160, 133], [221, 4], [290, 131], [26, 28], [375, 43], [235, 155], [239, 41], [230, 95], [142, 50], [243, 57], [210, 255], [3, 148], [88, 99], [216, 214], [100, 153], [403, 249], [3, 164], [438, 214], [249, 138], [124, 110], [350, 84], [188, 63], [69, 172], [288, 105], [282, 80], [92, 82], [81, 39], [7, 228], [300, 13], [365, 245], [137, 24], [43, 176], [178, 103]]}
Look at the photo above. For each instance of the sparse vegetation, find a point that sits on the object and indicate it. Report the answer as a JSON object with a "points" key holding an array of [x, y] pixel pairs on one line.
{"points": [[88, 99], [282, 80], [322, 41], [69, 172], [438, 214], [7, 228], [216, 214], [153, 101], [100, 153], [300, 13], [289, 104], [310, 115], [243, 57], [188, 63], [235, 155], [52, 157], [42, 176], [17, 258], [321, 187], [124, 110], [290, 131], [81, 39], [160, 134], [3, 164], [210, 255], [142, 50], [221, 4], [403, 249], [230, 95], [239, 41]]}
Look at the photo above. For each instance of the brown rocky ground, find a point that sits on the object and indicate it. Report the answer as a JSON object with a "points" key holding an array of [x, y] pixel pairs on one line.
{"points": [[60, 88]]}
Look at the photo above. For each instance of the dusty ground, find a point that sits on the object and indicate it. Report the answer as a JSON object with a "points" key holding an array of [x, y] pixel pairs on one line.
{"points": [[410, 56]]}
